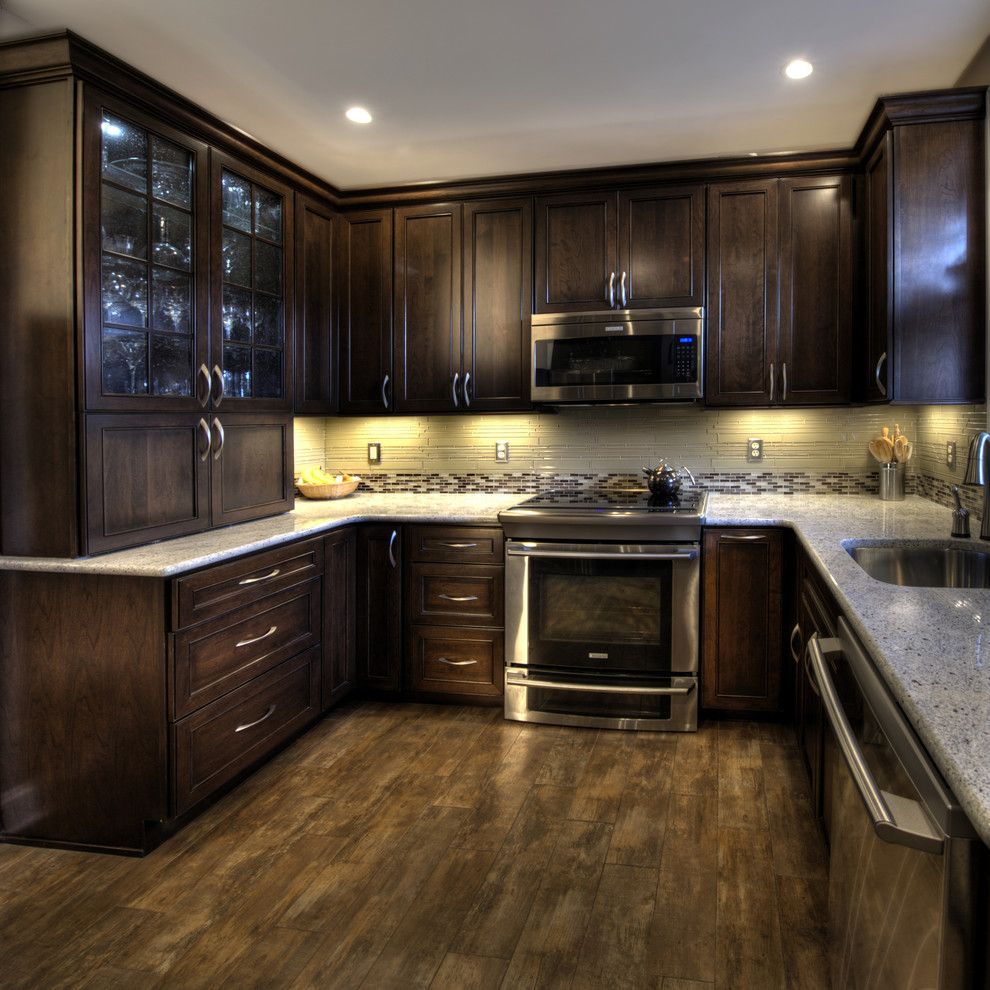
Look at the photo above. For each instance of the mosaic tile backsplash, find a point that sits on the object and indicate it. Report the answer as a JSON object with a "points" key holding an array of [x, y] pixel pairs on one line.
{"points": [[810, 450]]}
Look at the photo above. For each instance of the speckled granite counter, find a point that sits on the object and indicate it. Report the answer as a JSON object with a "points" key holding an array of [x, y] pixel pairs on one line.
{"points": [[928, 643], [309, 518]]}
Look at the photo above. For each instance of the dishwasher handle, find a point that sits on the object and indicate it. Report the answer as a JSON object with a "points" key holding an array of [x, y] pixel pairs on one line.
{"points": [[896, 820]]}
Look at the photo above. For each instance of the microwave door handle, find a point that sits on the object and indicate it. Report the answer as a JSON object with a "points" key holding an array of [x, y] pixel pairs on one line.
{"points": [[914, 830]]}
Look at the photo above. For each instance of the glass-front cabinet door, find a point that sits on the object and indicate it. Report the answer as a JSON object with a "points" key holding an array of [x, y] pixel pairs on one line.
{"points": [[145, 259], [252, 238]]}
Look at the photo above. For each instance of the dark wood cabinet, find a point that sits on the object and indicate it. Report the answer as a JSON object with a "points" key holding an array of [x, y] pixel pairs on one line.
{"points": [[315, 391], [379, 608], [816, 284], [364, 301], [498, 301], [339, 616], [925, 307], [742, 635], [635, 249], [661, 252], [428, 308], [780, 259]]}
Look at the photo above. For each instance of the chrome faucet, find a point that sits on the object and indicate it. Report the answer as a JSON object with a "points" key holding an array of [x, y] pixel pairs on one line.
{"points": [[978, 473]]}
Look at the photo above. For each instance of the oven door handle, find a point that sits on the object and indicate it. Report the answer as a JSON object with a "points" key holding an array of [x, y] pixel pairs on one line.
{"points": [[602, 553], [597, 688]]}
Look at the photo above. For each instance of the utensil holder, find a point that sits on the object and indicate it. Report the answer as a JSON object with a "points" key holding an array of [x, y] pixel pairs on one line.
{"points": [[892, 482]]}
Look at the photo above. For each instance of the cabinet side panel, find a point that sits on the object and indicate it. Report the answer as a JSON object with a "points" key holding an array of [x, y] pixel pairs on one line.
{"points": [[38, 483], [82, 708]]}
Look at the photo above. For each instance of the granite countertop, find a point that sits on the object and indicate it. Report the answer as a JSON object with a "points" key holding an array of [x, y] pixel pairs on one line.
{"points": [[926, 642]]}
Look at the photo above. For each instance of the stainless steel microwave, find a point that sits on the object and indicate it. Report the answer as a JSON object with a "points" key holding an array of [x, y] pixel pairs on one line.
{"points": [[618, 356]]}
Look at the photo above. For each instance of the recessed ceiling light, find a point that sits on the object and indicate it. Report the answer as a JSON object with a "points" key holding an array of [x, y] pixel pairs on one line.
{"points": [[798, 68], [358, 115]]}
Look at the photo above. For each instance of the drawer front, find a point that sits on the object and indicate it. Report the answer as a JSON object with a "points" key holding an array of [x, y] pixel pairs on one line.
{"points": [[451, 660], [451, 593], [455, 544], [211, 747], [226, 587], [217, 656]]}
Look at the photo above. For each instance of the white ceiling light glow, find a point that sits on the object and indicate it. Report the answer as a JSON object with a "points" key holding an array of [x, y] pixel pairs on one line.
{"points": [[358, 115], [798, 68]]}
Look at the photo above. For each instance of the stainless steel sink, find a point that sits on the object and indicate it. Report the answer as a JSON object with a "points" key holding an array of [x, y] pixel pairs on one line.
{"points": [[925, 567]]}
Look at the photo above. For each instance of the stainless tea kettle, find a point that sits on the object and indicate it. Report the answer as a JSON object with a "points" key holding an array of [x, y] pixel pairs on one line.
{"points": [[665, 479]]}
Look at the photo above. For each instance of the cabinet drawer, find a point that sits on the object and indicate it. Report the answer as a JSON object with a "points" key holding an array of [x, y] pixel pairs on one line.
{"points": [[451, 660], [217, 656], [446, 593], [226, 587], [214, 745], [456, 544]]}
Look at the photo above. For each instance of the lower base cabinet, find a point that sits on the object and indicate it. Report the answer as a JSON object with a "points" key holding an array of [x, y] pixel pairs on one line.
{"points": [[742, 624], [379, 608], [454, 660], [339, 616]]}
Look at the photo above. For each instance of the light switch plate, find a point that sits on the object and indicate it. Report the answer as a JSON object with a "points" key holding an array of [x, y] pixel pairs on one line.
{"points": [[374, 453], [502, 451], [950, 453], [754, 449]]}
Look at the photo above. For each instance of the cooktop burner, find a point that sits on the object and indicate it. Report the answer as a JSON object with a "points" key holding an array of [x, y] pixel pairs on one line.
{"points": [[606, 514], [610, 499]]}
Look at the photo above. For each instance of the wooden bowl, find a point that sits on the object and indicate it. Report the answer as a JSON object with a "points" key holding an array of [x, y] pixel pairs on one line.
{"points": [[328, 491]]}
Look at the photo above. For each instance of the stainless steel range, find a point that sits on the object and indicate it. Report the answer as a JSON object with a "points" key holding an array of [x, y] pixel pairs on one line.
{"points": [[602, 609]]}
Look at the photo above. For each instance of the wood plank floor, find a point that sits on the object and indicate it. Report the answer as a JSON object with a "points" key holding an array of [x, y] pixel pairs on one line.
{"points": [[426, 846]]}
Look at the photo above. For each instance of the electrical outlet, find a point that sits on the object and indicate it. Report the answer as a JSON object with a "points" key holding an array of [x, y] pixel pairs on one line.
{"points": [[374, 453], [950, 454], [502, 451], [754, 449]]}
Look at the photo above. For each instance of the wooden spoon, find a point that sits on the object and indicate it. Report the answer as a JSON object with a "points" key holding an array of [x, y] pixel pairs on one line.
{"points": [[902, 450], [878, 448]]}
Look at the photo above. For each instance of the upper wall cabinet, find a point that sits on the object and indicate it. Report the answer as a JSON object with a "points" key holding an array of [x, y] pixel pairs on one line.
{"points": [[363, 275], [779, 292], [637, 249], [925, 254], [315, 338]]}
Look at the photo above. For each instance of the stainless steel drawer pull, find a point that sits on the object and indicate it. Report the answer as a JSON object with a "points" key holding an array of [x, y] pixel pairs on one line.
{"points": [[458, 598], [207, 437], [796, 651], [203, 394], [257, 721], [391, 549], [258, 639], [460, 546], [916, 832], [599, 688], [456, 663], [881, 388], [740, 539], [264, 577], [218, 375]]}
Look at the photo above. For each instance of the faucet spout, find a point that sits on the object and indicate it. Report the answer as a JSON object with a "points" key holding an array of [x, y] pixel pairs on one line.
{"points": [[978, 473]]}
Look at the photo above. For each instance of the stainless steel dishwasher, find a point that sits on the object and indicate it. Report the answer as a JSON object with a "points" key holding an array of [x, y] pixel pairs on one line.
{"points": [[907, 872]]}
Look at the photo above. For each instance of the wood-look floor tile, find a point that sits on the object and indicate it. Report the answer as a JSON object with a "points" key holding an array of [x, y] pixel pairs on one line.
{"points": [[681, 941], [272, 961], [802, 904], [115, 978], [673, 983], [696, 761], [797, 846], [461, 972], [567, 760]]}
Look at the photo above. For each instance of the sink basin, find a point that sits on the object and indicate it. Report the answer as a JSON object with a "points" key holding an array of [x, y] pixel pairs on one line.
{"points": [[925, 567]]}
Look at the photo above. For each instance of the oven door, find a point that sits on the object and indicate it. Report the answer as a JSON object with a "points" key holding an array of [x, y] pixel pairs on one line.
{"points": [[610, 609], [663, 704]]}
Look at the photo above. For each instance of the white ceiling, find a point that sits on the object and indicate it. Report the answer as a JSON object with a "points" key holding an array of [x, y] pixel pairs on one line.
{"points": [[463, 88]]}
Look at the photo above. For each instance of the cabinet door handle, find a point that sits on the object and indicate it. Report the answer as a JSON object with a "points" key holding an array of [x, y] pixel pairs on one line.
{"points": [[610, 291], [218, 381], [456, 663], [257, 721], [783, 375], [458, 598], [622, 289], [264, 577], [876, 374], [391, 548], [257, 639], [385, 382], [796, 634], [466, 389], [204, 429], [771, 381], [220, 435], [203, 385], [460, 546], [728, 537], [453, 388]]}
